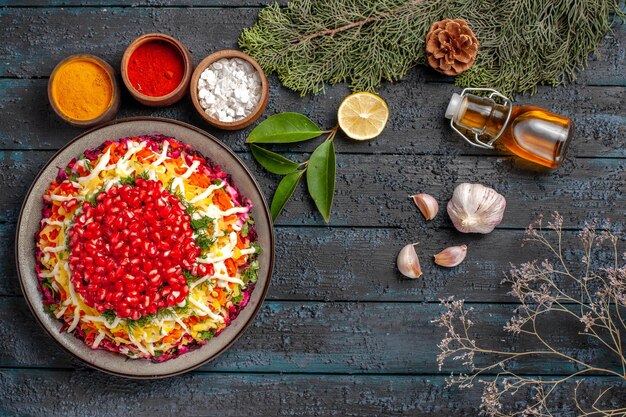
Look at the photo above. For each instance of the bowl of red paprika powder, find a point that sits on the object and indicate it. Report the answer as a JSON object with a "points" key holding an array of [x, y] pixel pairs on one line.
{"points": [[156, 69]]}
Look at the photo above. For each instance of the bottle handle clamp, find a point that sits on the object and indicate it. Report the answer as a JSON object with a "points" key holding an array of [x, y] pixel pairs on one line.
{"points": [[475, 141]]}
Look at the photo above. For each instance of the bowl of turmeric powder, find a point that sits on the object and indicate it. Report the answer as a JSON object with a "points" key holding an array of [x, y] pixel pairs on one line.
{"points": [[83, 90]]}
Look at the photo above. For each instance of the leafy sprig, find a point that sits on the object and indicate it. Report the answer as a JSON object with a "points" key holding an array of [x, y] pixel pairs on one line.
{"points": [[109, 316], [320, 169], [145, 320], [523, 43], [204, 241], [202, 223]]}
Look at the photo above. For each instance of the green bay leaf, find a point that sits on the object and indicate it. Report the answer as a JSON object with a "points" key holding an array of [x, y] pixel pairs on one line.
{"points": [[273, 162], [284, 128], [320, 177], [283, 193]]}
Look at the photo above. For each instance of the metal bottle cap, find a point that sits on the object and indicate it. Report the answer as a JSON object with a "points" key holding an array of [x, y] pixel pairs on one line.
{"points": [[475, 139]]}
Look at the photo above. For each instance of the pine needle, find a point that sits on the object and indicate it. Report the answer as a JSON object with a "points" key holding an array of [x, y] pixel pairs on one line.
{"points": [[523, 42]]}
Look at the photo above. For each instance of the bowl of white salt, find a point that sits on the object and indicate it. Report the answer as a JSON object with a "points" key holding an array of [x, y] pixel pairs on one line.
{"points": [[229, 89]]}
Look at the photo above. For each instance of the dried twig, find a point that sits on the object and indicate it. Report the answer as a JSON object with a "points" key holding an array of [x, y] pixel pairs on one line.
{"points": [[596, 299]]}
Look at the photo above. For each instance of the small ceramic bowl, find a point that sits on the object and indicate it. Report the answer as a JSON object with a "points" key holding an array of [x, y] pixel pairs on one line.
{"points": [[237, 124], [110, 111], [174, 95]]}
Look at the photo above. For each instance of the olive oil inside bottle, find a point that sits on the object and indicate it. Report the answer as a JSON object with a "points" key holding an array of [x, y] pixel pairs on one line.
{"points": [[531, 132]]}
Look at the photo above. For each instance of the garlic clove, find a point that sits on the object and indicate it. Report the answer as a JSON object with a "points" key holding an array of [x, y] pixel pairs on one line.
{"points": [[475, 208], [451, 256], [427, 205], [408, 262]]}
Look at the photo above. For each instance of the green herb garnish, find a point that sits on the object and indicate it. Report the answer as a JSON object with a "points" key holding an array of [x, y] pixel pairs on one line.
{"points": [[51, 308], [250, 274], [205, 241], [244, 230], [92, 198], [72, 176], [109, 316], [189, 276], [145, 320], [47, 283], [201, 223], [189, 208], [257, 248], [182, 310], [208, 335], [130, 180]]}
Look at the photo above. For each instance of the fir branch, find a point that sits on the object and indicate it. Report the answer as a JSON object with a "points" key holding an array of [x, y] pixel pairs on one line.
{"points": [[523, 42], [333, 32]]}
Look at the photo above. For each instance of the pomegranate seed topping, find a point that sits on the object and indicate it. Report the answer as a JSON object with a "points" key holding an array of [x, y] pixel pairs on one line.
{"points": [[129, 251]]}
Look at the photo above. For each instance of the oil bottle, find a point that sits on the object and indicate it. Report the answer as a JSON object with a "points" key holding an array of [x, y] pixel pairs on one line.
{"points": [[530, 132]]}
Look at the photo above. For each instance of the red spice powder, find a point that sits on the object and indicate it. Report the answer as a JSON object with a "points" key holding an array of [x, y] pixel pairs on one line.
{"points": [[155, 68]]}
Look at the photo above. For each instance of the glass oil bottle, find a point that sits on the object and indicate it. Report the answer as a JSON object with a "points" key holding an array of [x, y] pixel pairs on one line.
{"points": [[529, 132]]}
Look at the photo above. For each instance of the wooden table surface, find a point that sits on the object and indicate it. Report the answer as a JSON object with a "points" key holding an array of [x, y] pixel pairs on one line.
{"points": [[341, 332]]}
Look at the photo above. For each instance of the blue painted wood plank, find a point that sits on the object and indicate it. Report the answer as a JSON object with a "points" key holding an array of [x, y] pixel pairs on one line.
{"points": [[73, 394], [416, 125], [372, 190], [340, 337], [348, 264]]}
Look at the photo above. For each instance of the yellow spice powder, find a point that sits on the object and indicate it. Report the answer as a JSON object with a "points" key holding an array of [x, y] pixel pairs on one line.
{"points": [[82, 89]]}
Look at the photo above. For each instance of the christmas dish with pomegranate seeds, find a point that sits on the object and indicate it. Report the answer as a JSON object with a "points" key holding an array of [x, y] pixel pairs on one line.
{"points": [[146, 248]]}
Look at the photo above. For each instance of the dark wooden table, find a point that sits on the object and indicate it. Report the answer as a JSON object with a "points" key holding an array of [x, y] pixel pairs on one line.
{"points": [[341, 332]]}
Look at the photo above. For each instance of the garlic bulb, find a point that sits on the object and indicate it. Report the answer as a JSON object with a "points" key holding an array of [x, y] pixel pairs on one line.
{"points": [[427, 205], [475, 208], [451, 256], [408, 262]]}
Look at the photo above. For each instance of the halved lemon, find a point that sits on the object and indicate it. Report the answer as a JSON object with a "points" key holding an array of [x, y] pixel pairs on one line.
{"points": [[363, 116]]}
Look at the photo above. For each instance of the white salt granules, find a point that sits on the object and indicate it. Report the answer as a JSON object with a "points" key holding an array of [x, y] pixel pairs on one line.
{"points": [[229, 89]]}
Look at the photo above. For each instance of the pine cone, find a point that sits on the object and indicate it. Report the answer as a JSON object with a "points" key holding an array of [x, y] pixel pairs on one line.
{"points": [[451, 46]]}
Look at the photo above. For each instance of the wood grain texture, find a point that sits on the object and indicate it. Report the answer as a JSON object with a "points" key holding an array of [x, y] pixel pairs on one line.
{"points": [[416, 125], [136, 4], [415, 129], [342, 333], [70, 393], [348, 264], [311, 337], [373, 190]]}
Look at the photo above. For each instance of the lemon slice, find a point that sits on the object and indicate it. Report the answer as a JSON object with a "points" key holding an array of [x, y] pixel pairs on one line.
{"points": [[363, 116]]}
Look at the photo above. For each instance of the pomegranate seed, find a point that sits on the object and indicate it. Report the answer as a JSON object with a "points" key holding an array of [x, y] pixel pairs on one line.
{"points": [[110, 244]]}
